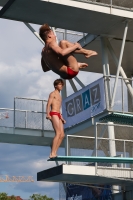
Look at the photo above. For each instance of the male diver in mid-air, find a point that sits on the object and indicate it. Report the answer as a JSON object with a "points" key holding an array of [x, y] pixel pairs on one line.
{"points": [[59, 58]]}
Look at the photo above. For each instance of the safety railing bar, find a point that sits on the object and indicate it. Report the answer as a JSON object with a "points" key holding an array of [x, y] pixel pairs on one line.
{"points": [[30, 99], [111, 76], [123, 125], [22, 110], [127, 169], [87, 137], [80, 136], [118, 111], [115, 139], [78, 34], [11, 109]]}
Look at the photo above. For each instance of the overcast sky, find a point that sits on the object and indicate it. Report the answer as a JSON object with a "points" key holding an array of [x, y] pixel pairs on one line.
{"points": [[21, 75]]}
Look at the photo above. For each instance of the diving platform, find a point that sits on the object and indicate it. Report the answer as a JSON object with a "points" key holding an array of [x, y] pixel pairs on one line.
{"points": [[118, 118], [87, 175], [95, 18], [26, 136], [27, 126], [92, 159]]}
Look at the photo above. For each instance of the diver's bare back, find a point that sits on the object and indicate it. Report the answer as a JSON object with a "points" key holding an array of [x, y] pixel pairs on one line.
{"points": [[53, 60], [56, 102]]}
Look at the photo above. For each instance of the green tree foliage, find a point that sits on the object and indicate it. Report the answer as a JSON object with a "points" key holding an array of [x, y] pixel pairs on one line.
{"points": [[40, 197], [3, 196]]}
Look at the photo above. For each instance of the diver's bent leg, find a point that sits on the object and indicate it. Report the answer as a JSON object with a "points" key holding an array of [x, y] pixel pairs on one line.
{"points": [[88, 53]]}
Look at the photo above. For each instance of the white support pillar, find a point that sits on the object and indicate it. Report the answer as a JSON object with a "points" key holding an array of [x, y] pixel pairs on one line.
{"points": [[127, 83], [106, 71], [119, 63], [111, 135], [112, 149]]}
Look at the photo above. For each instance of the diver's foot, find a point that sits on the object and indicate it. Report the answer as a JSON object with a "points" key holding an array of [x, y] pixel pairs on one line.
{"points": [[82, 65], [90, 53], [52, 155]]}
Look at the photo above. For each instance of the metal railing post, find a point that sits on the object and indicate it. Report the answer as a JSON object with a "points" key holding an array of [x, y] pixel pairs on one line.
{"points": [[110, 6], [65, 35], [96, 147], [14, 114], [66, 147], [42, 116], [122, 91], [84, 38], [124, 152], [25, 119]]}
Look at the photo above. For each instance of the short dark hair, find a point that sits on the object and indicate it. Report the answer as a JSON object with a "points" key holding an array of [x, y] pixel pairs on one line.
{"points": [[44, 31], [57, 81]]}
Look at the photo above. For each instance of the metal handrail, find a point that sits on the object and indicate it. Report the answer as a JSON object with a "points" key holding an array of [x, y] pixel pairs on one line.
{"points": [[21, 110], [101, 138], [30, 99], [112, 76], [68, 32]]}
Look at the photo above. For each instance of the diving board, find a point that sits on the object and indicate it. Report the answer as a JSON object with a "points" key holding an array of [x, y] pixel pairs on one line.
{"points": [[87, 175], [92, 159], [118, 118]]}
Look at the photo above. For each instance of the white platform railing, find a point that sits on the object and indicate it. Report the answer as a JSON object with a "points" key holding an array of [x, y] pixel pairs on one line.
{"points": [[113, 3], [25, 119], [100, 146]]}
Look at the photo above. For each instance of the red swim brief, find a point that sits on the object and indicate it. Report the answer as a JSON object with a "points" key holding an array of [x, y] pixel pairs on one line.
{"points": [[71, 73], [55, 113]]}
